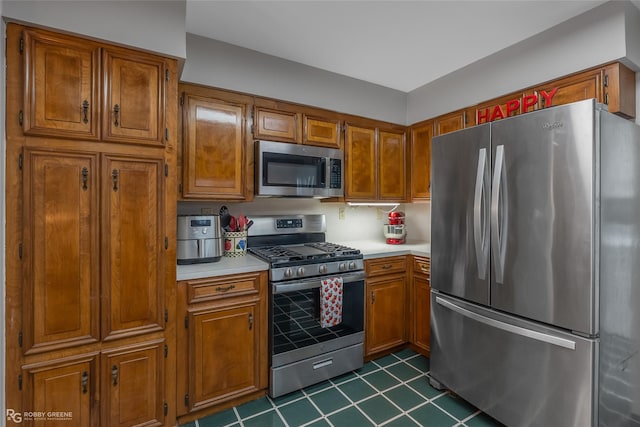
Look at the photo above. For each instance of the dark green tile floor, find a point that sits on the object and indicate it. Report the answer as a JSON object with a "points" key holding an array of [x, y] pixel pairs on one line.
{"points": [[392, 391]]}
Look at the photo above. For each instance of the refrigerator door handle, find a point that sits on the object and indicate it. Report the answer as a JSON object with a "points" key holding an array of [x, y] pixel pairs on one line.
{"points": [[499, 231], [528, 333], [479, 216]]}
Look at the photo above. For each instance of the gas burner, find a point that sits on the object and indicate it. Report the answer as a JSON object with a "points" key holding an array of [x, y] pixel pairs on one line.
{"points": [[276, 253], [334, 249]]}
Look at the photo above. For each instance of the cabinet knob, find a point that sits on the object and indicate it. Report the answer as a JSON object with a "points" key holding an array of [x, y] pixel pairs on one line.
{"points": [[116, 114], [114, 374], [85, 381], [85, 112]]}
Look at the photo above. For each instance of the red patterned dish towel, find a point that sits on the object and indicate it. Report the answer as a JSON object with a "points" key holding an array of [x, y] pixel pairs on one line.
{"points": [[331, 302]]}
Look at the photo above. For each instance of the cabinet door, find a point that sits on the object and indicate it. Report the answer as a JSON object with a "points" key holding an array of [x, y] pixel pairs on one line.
{"points": [[360, 164], [421, 305], [385, 313], [421, 137], [61, 263], [578, 87], [619, 92], [133, 246], [61, 86], [322, 132], [65, 391], [276, 125], [392, 156], [224, 353], [213, 140], [133, 109], [450, 122], [133, 386]]}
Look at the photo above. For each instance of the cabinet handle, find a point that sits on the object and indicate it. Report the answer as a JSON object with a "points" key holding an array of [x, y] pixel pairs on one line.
{"points": [[85, 177], [225, 288], [114, 177], [250, 321], [114, 374], [606, 98], [85, 112], [116, 112], [373, 297], [386, 266], [85, 381]]}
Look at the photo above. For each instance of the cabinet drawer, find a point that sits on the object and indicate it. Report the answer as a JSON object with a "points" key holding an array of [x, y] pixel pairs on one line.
{"points": [[421, 265], [377, 267], [213, 288]]}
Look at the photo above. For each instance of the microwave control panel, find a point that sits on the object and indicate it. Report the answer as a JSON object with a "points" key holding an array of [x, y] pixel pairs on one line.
{"points": [[335, 180]]}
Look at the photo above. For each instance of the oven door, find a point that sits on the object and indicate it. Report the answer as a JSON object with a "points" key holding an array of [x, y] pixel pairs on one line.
{"points": [[295, 313]]}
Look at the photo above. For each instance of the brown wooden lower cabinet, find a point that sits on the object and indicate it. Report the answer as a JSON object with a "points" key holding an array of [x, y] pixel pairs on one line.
{"points": [[68, 386], [385, 296], [420, 300], [123, 386], [133, 385], [225, 338]]}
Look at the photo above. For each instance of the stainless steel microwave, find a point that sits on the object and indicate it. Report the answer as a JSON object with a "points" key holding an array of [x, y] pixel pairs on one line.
{"points": [[284, 169]]}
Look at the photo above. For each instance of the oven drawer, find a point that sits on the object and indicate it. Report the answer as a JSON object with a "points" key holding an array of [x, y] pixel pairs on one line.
{"points": [[390, 265], [298, 375], [212, 288]]}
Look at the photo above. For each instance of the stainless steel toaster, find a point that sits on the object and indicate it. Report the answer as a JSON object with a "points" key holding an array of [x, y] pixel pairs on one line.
{"points": [[200, 239]]}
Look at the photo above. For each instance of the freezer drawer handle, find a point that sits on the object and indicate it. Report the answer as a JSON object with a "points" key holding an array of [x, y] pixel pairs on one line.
{"points": [[538, 336], [499, 231], [479, 214]]}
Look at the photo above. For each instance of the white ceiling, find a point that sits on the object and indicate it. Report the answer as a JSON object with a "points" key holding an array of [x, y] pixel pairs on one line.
{"points": [[398, 44]]}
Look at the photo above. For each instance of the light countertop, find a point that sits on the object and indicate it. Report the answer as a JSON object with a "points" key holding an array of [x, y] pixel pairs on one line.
{"points": [[226, 265], [370, 249], [379, 249]]}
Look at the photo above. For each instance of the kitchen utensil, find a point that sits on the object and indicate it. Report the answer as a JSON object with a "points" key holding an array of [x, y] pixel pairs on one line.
{"points": [[242, 222], [233, 223], [249, 224], [225, 218]]}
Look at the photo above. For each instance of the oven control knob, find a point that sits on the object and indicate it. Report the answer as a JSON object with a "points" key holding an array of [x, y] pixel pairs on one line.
{"points": [[342, 266], [352, 265], [300, 271], [323, 269], [288, 273]]}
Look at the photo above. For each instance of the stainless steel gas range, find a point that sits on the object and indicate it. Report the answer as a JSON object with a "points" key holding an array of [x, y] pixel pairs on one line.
{"points": [[302, 351]]}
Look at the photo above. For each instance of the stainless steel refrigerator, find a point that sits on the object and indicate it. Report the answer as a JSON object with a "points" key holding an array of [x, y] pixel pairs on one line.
{"points": [[535, 267]]}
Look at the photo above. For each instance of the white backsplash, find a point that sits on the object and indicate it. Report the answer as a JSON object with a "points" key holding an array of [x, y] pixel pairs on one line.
{"points": [[358, 222]]}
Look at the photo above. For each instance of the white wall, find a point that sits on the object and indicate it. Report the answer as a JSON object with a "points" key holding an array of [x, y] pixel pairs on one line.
{"points": [[153, 25], [588, 40], [218, 64], [359, 223]]}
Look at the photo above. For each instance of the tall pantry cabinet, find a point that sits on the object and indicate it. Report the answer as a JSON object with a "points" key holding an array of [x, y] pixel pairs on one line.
{"points": [[91, 164]]}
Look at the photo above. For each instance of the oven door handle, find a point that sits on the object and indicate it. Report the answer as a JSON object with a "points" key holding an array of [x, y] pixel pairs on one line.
{"points": [[315, 282]]}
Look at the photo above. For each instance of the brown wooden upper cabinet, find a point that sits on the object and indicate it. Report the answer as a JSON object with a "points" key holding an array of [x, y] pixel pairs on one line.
{"points": [[420, 160], [213, 148], [64, 80], [276, 125], [360, 153], [376, 164], [322, 132], [134, 96], [61, 92], [392, 168], [450, 122], [613, 85]]}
